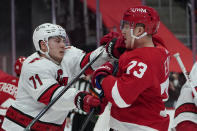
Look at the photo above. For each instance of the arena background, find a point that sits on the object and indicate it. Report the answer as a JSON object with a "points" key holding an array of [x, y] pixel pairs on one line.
{"points": [[86, 21]]}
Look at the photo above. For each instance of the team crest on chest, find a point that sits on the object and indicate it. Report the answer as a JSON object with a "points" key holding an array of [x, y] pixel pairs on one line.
{"points": [[61, 80]]}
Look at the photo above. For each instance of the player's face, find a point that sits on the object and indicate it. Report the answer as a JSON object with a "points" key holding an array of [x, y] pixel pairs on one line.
{"points": [[126, 32], [56, 48]]}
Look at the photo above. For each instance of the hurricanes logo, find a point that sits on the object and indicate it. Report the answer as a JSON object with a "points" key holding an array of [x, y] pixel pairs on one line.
{"points": [[62, 80]]}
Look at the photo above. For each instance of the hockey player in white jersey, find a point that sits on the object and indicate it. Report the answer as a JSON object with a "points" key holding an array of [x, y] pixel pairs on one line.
{"points": [[44, 75], [185, 117]]}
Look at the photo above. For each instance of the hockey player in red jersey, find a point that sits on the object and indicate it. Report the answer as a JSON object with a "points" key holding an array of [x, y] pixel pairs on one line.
{"points": [[139, 89], [8, 88], [44, 75], [18, 65]]}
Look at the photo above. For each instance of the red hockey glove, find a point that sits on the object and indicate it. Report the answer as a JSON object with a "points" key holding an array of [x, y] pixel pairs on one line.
{"points": [[115, 48], [85, 101], [101, 72], [108, 37], [115, 45]]}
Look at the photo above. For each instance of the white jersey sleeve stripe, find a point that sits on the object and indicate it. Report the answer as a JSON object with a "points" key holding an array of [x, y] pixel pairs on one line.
{"points": [[117, 98]]}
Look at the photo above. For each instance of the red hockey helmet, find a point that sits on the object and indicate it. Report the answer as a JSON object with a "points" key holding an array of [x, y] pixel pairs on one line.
{"points": [[143, 15], [18, 64]]}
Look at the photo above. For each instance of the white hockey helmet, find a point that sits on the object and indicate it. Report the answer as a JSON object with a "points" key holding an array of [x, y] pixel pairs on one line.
{"points": [[45, 31]]}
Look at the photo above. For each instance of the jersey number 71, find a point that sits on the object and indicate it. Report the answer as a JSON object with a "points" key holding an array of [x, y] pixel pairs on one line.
{"points": [[34, 79]]}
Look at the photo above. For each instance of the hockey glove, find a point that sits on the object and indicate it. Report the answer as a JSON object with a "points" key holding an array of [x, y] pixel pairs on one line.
{"points": [[108, 37], [115, 45], [115, 48], [100, 73], [85, 101]]}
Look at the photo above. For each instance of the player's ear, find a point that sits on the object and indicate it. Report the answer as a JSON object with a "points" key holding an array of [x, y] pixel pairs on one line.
{"points": [[139, 30], [43, 46]]}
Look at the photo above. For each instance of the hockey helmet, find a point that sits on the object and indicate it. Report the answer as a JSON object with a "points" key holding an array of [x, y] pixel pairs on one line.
{"points": [[18, 65], [142, 15], [45, 31]]}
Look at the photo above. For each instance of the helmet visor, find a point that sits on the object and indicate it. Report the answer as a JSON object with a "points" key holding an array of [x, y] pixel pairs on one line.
{"points": [[126, 24], [58, 38]]}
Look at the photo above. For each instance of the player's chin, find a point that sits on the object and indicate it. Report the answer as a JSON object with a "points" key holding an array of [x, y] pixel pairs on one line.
{"points": [[128, 47], [61, 56], [126, 41], [127, 44], [61, 53]]}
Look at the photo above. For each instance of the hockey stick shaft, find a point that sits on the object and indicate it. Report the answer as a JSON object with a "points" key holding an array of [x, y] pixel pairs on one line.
{"points": [[101, 95], [186, 74], [45, 109], [88, 119]]}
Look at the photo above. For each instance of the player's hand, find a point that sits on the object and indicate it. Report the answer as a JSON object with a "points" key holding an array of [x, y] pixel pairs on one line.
{"points": [[100, 73], [85, 101], [115, 45]]}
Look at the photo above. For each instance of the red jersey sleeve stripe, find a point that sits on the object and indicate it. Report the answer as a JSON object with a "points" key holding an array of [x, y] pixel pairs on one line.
{"points": [[186, 107], [46, 96], [85, 61]]}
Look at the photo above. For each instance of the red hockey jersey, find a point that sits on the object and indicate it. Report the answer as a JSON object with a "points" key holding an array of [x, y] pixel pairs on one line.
{"points": [[8, 89], [139, 90]]}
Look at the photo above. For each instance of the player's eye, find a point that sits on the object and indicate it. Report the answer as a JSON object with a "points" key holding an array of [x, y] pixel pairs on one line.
{"points": [[64, 40], [58, 40]]}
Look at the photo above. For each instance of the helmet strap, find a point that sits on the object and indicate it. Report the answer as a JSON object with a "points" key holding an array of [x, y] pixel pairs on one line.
{"points": [[138, 37]]}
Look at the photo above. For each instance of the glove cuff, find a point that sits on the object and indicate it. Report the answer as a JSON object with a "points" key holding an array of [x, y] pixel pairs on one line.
{"points": [[98, 81], [79, 99], [110, 48]]}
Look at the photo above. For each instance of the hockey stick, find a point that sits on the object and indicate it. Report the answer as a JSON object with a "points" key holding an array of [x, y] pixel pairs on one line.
{"points": [[186, 74], [100, 96], [45, 109]]}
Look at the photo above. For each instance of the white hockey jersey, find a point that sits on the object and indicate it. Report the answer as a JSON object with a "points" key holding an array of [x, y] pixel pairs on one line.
{"points": [[40, 81], [185, 107]]}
